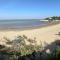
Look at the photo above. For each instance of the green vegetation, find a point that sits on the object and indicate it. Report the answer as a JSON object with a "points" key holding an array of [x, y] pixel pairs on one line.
{"points": [[20, 51], [53, 18]]}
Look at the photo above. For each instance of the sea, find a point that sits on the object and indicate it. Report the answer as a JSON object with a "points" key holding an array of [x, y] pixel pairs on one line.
{"points": [[20, 23]]}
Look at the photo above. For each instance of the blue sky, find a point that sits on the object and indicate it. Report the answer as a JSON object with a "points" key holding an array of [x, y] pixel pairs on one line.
{"points": [[28, 9]]}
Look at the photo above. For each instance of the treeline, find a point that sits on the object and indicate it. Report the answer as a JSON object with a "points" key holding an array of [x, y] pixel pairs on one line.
{"points": [[52, 18]]}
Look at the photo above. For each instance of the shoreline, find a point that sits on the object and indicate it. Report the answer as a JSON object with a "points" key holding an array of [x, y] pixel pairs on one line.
{"points": [[46, 34], [30, 28]]}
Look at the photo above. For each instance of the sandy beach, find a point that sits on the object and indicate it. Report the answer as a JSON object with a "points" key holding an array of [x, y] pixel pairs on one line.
{"points": [[45, 35]]}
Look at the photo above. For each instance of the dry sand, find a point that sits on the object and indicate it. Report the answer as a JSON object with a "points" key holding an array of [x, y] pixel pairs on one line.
{"points": [[45, 35]]}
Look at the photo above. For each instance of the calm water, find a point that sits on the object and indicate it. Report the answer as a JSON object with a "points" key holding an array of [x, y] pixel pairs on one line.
{"points": [[20, 23]]}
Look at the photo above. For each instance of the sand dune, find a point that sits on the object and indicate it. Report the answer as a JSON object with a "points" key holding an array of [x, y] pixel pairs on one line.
{"points": [[45, 35]]}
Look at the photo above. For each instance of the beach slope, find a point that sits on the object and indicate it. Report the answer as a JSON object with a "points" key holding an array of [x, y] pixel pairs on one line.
{"points": [[45, 34]]}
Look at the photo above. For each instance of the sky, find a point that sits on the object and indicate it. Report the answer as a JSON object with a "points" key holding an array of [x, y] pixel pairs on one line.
{"points": [[29, 9]]}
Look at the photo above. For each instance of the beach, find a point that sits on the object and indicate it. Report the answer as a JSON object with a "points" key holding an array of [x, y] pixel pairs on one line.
{"points": [[44, 35]]}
